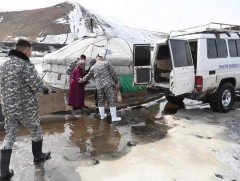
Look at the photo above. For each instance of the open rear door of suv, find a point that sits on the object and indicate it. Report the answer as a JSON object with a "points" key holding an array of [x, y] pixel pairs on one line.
{"points": [[142, 72], [182, 77]]}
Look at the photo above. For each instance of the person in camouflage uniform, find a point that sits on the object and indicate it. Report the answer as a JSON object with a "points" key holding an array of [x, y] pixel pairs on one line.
{"points": [[19, 84], [73, 64], [105, 78]]}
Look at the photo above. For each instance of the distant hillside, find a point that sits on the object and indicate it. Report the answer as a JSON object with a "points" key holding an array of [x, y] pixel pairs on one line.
{"points": [[64, 23]]}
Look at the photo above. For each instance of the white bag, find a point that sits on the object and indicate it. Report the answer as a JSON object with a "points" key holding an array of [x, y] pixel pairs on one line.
{"points": [[118, 97]]}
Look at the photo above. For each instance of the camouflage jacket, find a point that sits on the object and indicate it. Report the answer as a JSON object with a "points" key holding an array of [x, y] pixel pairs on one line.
{"points": [[103, 74], [71, 67], [19, 84]]}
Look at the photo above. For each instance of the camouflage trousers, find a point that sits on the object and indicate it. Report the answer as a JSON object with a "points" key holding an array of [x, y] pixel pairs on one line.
{"points": [[108, 93], [12, 127]]}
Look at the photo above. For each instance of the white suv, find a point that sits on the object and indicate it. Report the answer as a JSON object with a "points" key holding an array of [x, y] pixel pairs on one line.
{"points": [[202, 65]]}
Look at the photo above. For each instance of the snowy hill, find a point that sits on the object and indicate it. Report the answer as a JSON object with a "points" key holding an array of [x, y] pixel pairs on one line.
{"points": [[64, 23]]}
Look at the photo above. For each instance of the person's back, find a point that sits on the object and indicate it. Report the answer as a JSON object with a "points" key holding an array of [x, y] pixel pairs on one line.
{"points": [[105, 77], [104, 74], [18, 89]]}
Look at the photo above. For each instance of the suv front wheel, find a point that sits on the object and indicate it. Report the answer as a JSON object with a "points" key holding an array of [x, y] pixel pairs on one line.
{"points": [[223, 99]]}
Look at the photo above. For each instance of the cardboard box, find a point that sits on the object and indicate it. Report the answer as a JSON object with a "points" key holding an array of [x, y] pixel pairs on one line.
{"points": [[52, 102], [164, 64]]}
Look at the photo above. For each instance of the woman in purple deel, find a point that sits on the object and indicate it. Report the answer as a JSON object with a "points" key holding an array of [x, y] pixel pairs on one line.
{"points": [[76, 90]]}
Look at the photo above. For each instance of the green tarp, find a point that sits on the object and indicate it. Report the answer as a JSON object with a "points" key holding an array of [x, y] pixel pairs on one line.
{"points": [[126, 84]]}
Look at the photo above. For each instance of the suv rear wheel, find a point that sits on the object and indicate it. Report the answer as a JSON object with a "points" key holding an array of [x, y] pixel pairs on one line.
{"points": [[223, 99]]}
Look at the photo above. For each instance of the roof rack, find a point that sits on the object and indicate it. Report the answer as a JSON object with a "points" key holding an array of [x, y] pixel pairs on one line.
{"points": [[212, 27]]}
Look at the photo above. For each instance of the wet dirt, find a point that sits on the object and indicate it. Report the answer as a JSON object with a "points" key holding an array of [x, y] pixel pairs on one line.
{"points": [[84, 140]]}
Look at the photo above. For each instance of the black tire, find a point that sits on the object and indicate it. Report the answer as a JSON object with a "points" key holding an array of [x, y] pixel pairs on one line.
{"points": [[213, 106], [175, 100], [223, 100]]}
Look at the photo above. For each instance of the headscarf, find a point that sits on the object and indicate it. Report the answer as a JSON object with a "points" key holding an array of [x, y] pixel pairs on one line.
{"points": [[80, 62]]}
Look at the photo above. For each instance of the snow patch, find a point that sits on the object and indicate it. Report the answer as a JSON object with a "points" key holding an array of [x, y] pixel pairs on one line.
{"points": [[79, 23], [60, 39], [234, 126], [76, 21], [61, 21], [231, 158], [193, 104], [78, 26], [1, 18], [39, 54]]}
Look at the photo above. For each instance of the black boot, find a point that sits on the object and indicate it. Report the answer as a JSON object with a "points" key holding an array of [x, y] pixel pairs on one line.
{"points": [[38, 155], [5, 161]]}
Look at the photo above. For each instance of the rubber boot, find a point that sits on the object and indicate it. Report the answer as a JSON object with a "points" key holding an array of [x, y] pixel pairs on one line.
{"points": [[102, 112], [5, 161], [38, 155], [114, 114]]}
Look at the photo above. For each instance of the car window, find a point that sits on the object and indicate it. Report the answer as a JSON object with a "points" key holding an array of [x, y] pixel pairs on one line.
{"points": [[221, 48], [211, 49], [142, 56], [216, 48], [232, 48], [181, 53], [238, 47]]}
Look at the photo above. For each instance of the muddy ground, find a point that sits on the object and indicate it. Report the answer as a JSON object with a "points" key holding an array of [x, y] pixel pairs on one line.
{"points": [[158, 141]]}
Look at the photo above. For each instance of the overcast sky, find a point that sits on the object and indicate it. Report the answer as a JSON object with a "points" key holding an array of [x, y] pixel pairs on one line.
{"points": [[156, 15]]}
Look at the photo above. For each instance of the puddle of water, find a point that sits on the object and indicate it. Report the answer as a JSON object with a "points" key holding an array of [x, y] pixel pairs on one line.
{"points": [[94, 137], [76, 142], [150, 132]]}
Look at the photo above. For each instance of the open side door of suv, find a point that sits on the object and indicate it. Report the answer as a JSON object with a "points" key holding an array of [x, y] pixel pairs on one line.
{"points": [[142, 72], [182, 77]]}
